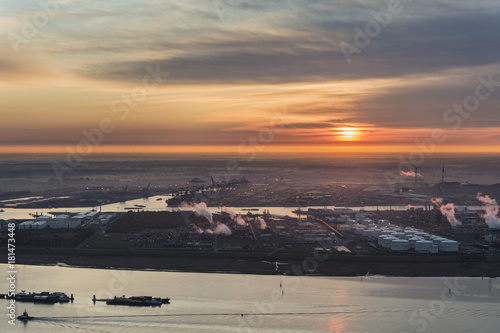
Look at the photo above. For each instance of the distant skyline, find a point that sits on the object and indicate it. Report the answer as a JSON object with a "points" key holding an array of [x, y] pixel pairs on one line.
{"points": [[296, 76]]}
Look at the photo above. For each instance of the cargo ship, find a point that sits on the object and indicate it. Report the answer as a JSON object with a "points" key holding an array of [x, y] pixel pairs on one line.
{"points": [[138, 301], [43, 297]]}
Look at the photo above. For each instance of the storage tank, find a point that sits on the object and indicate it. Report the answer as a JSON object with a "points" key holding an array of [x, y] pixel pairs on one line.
{"points": [[380, 238], [400, 245], [359, 230], [413, 241], [383, 223], [423, 246], [386, 232], [448, 246], [387, 241], [367, 222], [434, 248], [437, 240], [400, 235], [344, 227], [350, 222], [26, 225], [39, 225]]}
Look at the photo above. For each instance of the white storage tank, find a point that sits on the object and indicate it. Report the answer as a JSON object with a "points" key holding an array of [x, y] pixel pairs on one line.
{"points": [[359, 230], [377, 232], [344, 227], [25, 225], [400, 235], [423, 246], [387, 241], [343, 218], [413, 241], [367, 222], [381, 238], [434, 248], [400, 245], [39, 225], [386, 232], [383, 223], [448, 246], [437, 240]]}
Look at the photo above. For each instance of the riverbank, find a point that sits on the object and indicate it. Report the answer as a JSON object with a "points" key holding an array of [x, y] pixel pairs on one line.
{"points": [[408, 266]]}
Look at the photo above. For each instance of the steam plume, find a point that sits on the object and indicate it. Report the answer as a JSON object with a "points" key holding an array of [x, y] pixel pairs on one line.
{"points": [[222, 229], [447, 210], [410, 174], [263, 224], [236, 218], [201, 210], [491, 209]]}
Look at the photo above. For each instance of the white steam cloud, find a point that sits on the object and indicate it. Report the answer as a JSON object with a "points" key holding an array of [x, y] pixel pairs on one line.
{"points": [[491, 211], [263, 224], [447, 210], [236, 218], [410, 174], [218, 228]]}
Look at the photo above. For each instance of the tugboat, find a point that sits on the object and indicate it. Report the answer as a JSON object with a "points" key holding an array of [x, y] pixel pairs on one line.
{"points": [[25, 316]]}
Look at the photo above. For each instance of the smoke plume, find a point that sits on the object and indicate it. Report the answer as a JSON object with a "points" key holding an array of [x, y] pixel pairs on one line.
{"points": [[200, 209], [222, 229], [447, 210], [241, 221], [230, 212], [236, 218], [263, 224], [491, 211], [410, 174]]}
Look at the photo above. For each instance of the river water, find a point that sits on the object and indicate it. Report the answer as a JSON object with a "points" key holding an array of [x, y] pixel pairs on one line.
{"points": [[158, 203], [215, 303]]}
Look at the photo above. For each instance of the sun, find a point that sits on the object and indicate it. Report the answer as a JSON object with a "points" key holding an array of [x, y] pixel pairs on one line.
{"points": [[347, 133]]}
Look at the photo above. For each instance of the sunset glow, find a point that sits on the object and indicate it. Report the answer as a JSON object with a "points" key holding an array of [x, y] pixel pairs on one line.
{"points": [[182, 77], [347, 133]]}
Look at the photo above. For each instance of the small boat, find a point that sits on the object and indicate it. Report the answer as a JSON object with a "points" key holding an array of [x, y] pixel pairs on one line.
{"points": [[25, 316], [140, 206]]}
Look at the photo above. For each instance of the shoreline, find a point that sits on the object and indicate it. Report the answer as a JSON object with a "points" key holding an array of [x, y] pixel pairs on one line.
{"points": [[334, 266]]}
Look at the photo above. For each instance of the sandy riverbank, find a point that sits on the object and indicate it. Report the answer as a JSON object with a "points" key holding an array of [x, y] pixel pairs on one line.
{"points": [[211, 264]]}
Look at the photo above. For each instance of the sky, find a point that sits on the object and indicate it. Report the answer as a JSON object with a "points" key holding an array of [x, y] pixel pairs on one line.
{"points": [[226, 75]]}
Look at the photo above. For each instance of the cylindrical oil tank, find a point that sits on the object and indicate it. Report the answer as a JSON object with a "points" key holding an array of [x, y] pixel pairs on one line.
{"points": [[423, 246], [400, 245]]}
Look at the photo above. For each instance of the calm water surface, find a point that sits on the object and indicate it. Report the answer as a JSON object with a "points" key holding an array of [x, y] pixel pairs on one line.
{"points": [[215, 302]]}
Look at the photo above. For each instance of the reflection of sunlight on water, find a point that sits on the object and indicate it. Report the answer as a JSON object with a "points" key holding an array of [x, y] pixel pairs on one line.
{"points": [[336, 322]]}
